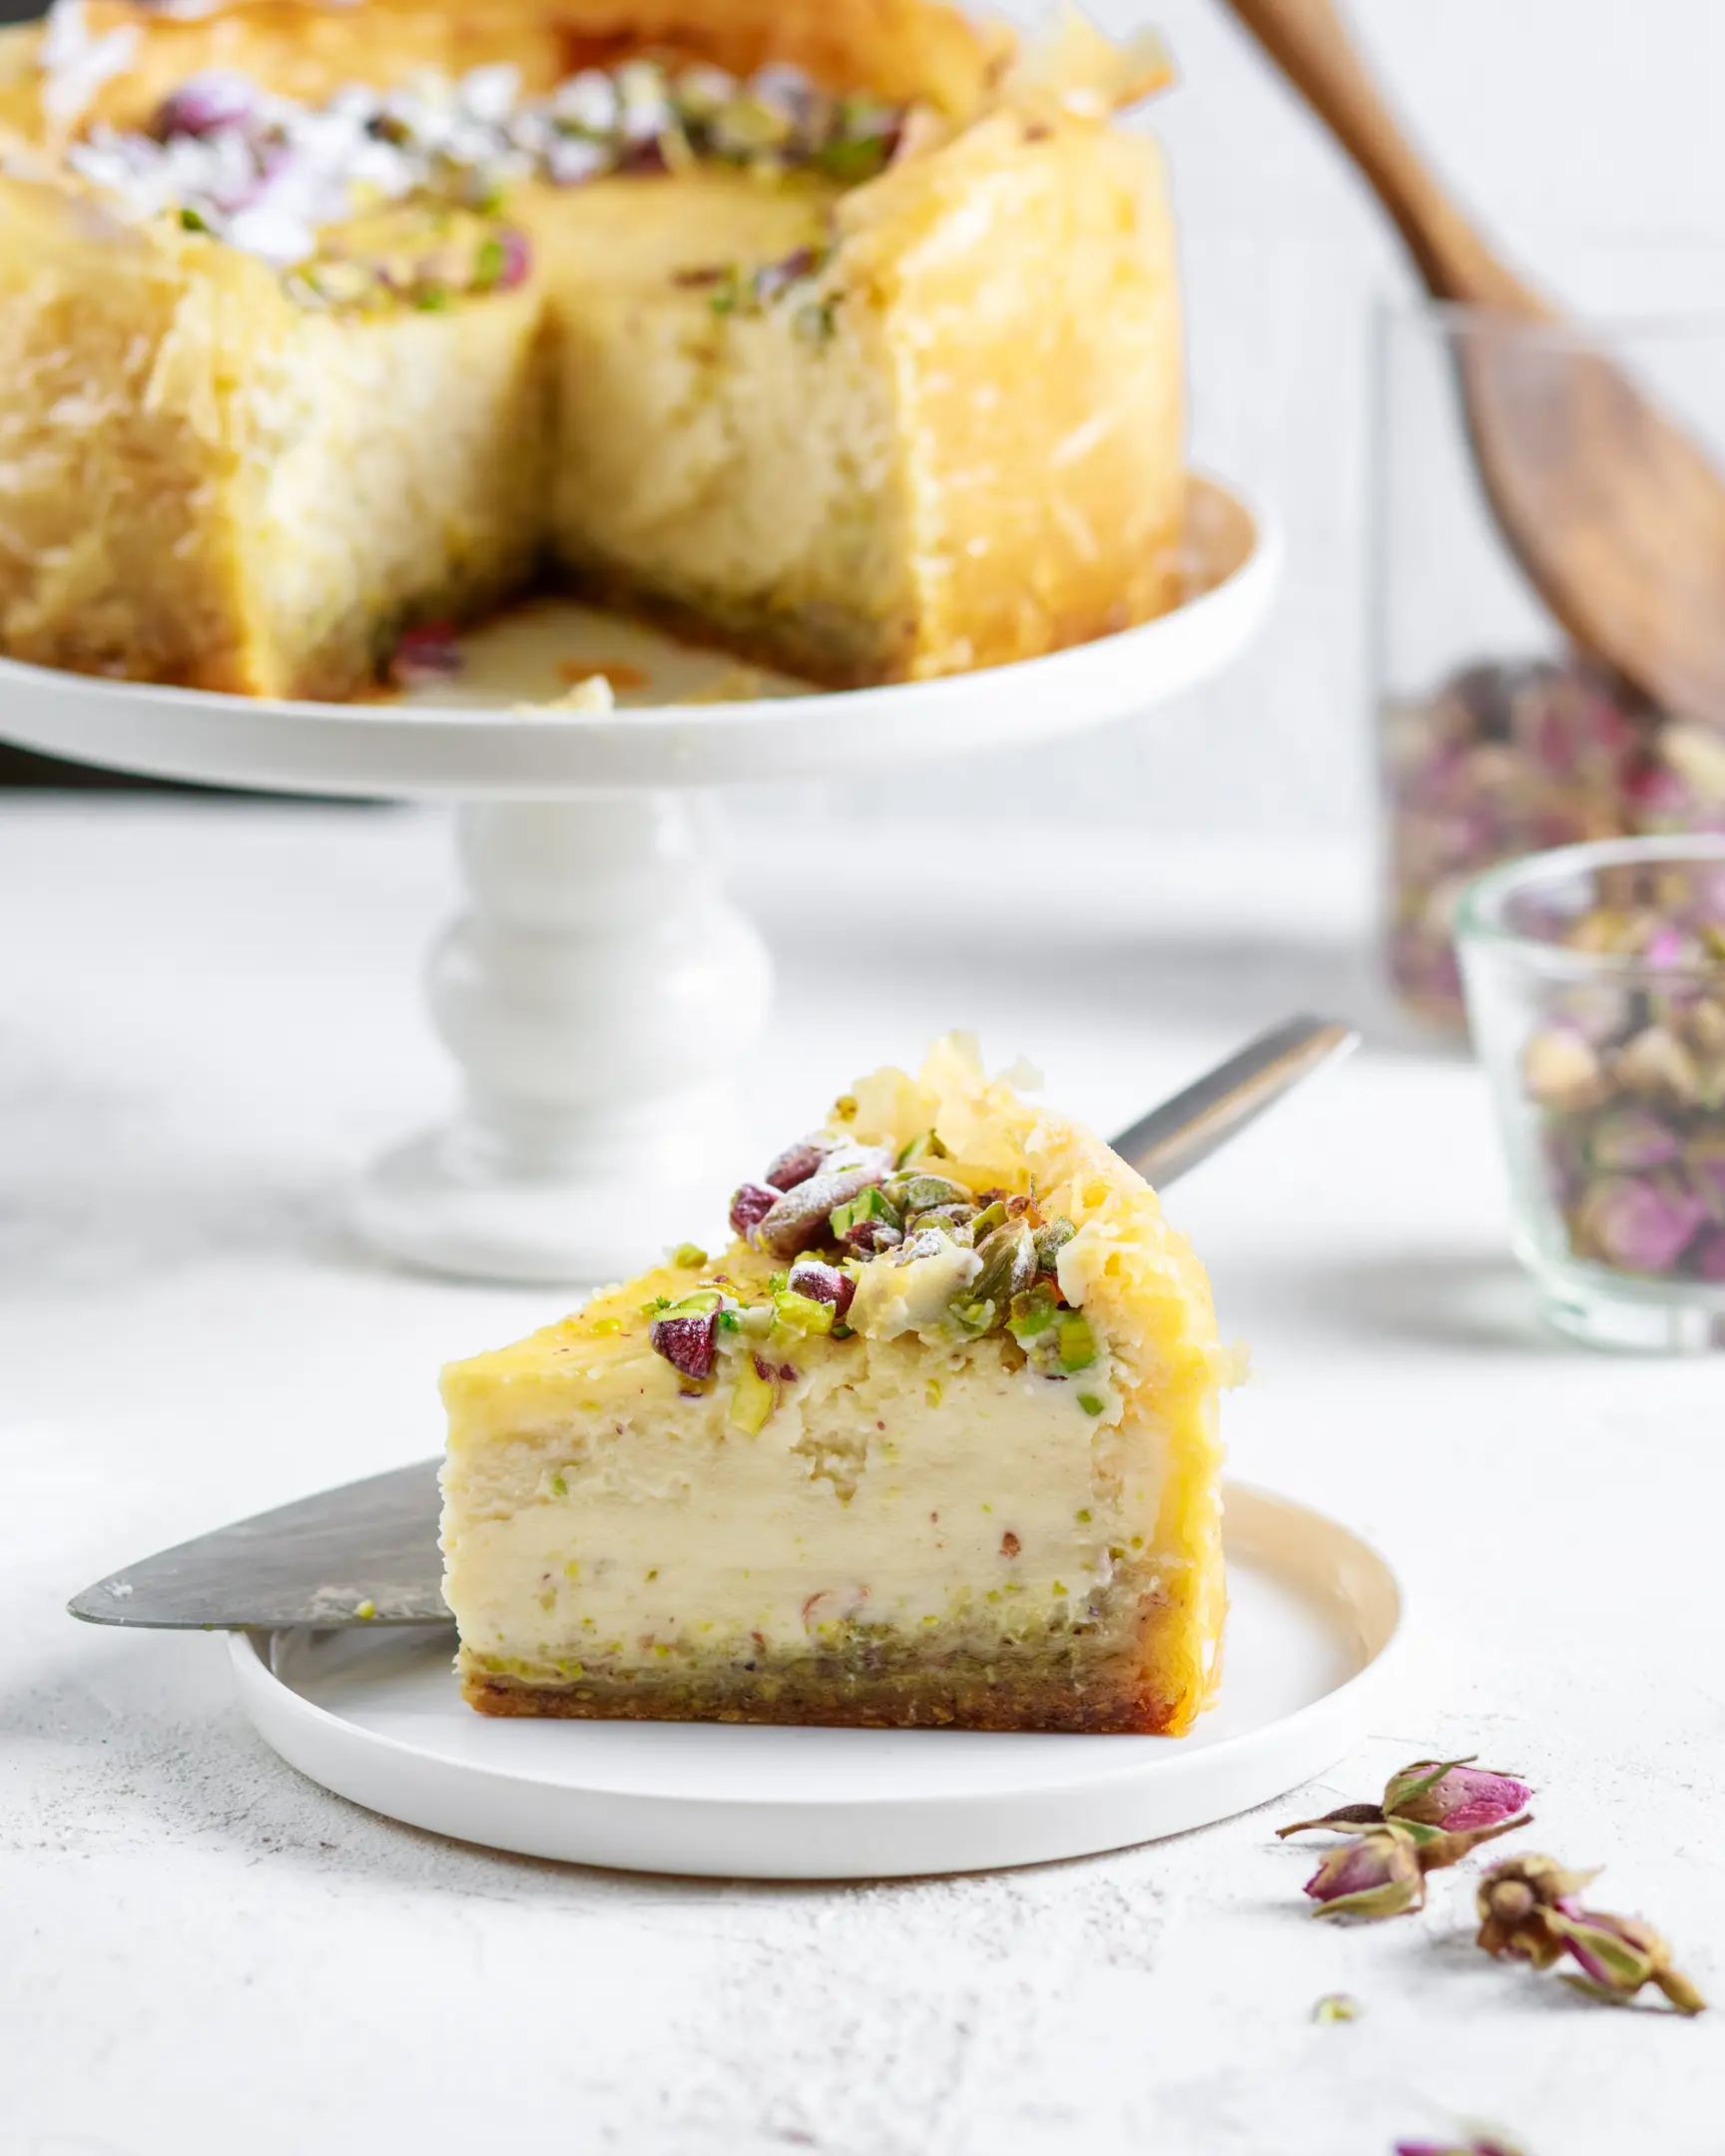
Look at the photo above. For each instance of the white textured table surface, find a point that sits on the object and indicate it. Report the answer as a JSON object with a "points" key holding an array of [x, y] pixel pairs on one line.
{"points": [[208, 1018]]}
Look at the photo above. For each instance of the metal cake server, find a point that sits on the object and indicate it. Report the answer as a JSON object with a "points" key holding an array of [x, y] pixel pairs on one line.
{"points": [[366, 1553]]}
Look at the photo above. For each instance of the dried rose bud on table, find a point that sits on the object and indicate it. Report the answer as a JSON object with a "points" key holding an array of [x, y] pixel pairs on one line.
{"points": [[1531, 1910], [1431, 1796]]}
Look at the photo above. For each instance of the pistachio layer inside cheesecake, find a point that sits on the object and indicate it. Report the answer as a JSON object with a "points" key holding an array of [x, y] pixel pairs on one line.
{"points": [[903, 1453]]}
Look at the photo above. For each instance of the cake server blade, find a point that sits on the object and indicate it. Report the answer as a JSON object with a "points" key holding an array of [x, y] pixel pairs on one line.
{"points": [[367, 1553], [321, 1561]]}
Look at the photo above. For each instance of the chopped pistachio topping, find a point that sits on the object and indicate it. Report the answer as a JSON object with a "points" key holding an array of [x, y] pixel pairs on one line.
{"points": [[689, 1255], [869, 1204], [802, 1314], [754, 1399], [1077, 1342], [1033, 1313]]}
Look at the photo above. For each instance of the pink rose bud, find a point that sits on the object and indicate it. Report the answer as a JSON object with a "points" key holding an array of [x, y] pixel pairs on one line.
{"points": [[1455, 1795], [1638, 1227], [1475, 2147], [1632, 1138], [1382, 1872], [1704, 1171], [1707, 1256], [1617, 1955], [1379, 1874]]}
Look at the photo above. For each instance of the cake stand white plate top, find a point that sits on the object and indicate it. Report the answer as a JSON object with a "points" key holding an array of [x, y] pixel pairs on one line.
{"points": [[376, 1717], [598, 988]]}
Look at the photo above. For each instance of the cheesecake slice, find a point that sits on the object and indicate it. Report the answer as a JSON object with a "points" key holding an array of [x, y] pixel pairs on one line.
{"points": [[931, 1442]]}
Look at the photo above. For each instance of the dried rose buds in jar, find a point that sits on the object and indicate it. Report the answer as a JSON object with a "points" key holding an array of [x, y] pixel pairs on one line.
{"points": [[1596, 991]]}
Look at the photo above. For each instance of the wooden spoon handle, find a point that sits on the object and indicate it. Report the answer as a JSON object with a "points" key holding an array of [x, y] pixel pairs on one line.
{"points": [[1311, 44]]}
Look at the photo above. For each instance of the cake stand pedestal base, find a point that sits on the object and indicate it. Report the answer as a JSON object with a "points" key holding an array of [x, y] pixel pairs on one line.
{"points": [[595, 970]]}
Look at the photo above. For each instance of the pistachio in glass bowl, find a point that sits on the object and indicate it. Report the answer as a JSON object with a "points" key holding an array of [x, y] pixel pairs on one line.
{"points": [[1595, 984]]}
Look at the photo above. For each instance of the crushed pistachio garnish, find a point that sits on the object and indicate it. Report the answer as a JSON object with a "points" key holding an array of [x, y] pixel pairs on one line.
{"points": [[227, 157]]}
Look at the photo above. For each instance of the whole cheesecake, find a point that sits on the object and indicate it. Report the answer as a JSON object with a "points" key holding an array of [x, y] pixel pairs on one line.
{"points": [[840, 335], [931, 1444]]}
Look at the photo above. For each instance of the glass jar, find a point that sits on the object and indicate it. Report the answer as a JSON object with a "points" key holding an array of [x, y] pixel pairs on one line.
{"points": [[1498, 739], [1596, 983]]}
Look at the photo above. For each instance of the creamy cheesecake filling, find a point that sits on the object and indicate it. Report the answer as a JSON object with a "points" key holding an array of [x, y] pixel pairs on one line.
{"points": [[890, 1493]]}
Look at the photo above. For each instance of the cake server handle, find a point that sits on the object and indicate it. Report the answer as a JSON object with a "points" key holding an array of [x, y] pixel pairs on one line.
{"points": [[1174, 1139]]}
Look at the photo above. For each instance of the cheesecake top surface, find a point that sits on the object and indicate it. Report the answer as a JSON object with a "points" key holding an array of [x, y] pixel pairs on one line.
{"points": [[942, 1208], [384, 152]]}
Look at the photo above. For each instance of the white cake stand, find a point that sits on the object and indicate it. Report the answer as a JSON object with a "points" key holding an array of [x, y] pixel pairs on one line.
{"points": [[598, 986]]}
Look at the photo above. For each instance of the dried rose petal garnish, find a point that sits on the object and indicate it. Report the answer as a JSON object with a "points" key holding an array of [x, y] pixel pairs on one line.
{"points": [[1530, 1910]]}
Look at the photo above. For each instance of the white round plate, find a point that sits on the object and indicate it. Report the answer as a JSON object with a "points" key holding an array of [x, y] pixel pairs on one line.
{"points": [[493, 731], [376, 1717]]}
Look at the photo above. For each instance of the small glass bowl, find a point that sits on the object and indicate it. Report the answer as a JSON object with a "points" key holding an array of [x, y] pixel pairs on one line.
{"points": [[1595, 984]]}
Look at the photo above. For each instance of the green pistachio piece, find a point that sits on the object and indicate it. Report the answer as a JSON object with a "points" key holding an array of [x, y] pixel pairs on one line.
{"points": [[1051, 1240], [1077, 1342], [869, 1204], [920, 1192], [1032, 1313], [1009, 1258], [992, 1217], [925, 1146], [752, 1401], [975, 1316], [949, 1220], [695, 1304], [689, 1255], [803, 1314]]}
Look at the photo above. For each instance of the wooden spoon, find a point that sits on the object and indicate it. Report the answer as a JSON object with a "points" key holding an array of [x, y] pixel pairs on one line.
{"points": [[1616, 516]]}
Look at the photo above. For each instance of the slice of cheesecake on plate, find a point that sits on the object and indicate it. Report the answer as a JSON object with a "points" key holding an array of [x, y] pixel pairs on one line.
{"points": [[931, 1442]]}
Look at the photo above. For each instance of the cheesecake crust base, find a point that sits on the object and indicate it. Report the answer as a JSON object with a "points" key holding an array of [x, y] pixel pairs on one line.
{"points": [[1095, 1678], [1109, 1706]]}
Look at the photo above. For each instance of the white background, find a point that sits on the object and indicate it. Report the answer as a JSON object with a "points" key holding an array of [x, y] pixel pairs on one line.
{"points": [[1563, 124]]}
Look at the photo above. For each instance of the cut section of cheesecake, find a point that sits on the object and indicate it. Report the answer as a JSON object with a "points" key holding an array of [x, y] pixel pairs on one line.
{"points": [[932, 1442]]}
